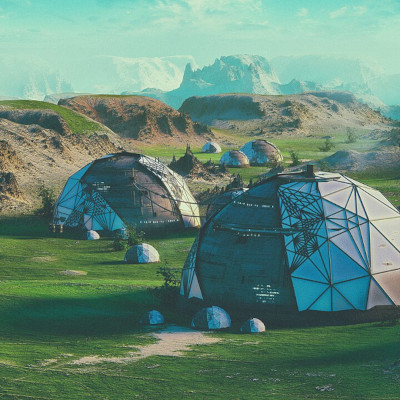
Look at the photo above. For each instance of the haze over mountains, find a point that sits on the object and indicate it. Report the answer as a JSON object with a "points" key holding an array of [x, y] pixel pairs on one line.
{"points": [[169, 80]]}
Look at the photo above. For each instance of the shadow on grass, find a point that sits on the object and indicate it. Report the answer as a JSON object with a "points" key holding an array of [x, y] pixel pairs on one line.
{"points": [[95, 316]]}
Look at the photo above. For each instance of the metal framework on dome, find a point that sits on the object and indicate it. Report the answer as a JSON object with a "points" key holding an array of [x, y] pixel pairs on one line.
{"points": [[126, 189], [340, 242]]}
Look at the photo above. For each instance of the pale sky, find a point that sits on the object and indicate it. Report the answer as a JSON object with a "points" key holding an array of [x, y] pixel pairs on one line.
{"points": [[64, 31]]}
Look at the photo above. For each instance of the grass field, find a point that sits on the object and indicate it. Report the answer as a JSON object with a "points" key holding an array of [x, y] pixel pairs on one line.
{"points": [[48, 320], [78, 123]]}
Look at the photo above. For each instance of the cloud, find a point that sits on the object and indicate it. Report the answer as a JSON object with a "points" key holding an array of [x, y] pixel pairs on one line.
{"points": [[339, 12], [359, 10], [303, 12]]}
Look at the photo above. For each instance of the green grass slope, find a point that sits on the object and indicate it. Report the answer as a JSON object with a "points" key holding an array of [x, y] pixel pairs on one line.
{"points": [[77, 123]]}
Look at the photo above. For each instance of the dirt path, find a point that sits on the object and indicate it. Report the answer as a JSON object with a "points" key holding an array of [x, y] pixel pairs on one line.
{"points": [[172, 341]]}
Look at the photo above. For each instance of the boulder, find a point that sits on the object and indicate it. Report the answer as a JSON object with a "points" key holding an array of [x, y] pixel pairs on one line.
{"points": [[252, 325], [152, 317], [213, 318], [92, 235], [142, 254]]}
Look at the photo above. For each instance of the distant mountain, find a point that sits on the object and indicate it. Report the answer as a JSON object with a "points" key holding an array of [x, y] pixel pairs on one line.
{"points": [[29, 78], [140, 118], [299, 113], [231, 74], [114, 75]]}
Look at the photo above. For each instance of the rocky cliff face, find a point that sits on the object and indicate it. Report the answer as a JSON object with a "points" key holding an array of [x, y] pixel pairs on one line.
{"points": [[232, 74], [140, 118], [34, 151]]}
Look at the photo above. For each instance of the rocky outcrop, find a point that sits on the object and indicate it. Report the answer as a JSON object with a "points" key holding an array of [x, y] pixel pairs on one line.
{"points": [[300, 113], [140, 118]]}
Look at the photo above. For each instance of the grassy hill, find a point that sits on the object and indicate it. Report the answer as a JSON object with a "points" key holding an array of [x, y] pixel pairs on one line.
{"points": [[77, 123]]}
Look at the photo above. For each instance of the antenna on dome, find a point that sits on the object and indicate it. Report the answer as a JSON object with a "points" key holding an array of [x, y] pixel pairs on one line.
{"points": [[311, 170]]}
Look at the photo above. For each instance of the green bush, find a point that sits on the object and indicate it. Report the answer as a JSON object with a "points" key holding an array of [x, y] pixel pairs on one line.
{"points": [[328, 145], [294, 155], [48, 200], [130, 237], [351, 135]]}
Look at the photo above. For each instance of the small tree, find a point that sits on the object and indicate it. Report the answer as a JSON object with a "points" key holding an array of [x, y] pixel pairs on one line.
{"points": [[294, 155], [48, 200], [351, 135], [328, 145]]}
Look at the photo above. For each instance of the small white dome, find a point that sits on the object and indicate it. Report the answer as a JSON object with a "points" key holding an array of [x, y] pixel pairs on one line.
{"points": [[92, 235], [211, 147], [142, 254], [252, 325], [152, 317], [211, 318]]}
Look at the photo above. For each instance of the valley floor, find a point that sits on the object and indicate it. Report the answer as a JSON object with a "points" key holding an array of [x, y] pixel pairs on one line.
{"points": [[54, 324]]}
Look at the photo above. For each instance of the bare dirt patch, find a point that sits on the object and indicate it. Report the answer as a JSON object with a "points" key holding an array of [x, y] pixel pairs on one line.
{"points": [[72, 272], [172, 341]]}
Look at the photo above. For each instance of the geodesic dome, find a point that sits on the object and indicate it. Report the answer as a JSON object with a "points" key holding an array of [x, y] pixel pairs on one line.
{"points": [[211, 318], [222, 200], [318, 241], [142, 254], [126, 189], [261, 152], [211, 147], [234, 158], [92, 235]]}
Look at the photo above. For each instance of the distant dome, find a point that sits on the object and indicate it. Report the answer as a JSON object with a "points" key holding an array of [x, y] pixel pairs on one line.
{"points": [[142, 254], [261, 152], [92, 235], [211, 318], [253, 325], [211, 147], [234, 158]]}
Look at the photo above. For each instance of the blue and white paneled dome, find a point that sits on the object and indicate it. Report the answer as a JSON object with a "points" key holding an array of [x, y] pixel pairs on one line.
{"points": [[320, 242], [211, 147]]}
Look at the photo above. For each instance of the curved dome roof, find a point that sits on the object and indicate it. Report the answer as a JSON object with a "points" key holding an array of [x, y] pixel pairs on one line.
{"points": [[319, 242], [234, 158], [261, 152], [211, 147], [126, 189], [222, 200]]}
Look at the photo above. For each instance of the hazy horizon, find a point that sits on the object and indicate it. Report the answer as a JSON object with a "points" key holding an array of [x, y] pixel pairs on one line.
{"points": [[63, 34]]}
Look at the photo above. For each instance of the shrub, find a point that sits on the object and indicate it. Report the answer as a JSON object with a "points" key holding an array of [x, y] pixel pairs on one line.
{"points": [[169, 291], [294, 155], [351, 135], [328, 145], [131, 237], [48, 200]]}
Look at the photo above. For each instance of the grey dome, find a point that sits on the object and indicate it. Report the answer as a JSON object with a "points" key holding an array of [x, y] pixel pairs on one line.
{"points": [[142, 254]]}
